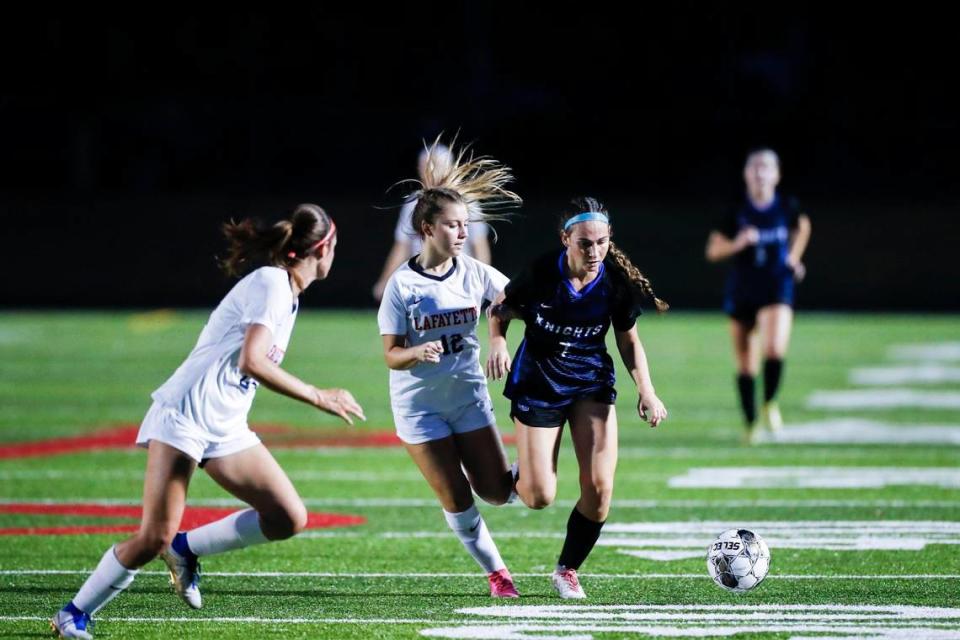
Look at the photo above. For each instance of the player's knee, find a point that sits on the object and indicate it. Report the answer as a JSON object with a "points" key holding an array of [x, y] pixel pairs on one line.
{"points": [[496, 499], [298, 519], [152, 541], [498, 494], [538, 496], [284, 522], [601, 488], [597, 492]]}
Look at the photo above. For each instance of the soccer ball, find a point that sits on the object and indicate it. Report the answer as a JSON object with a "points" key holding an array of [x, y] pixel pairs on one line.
{"points": [[738, 560]]}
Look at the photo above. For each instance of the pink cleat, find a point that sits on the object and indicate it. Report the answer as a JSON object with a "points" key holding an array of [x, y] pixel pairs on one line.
{"points": [[501, 585]]}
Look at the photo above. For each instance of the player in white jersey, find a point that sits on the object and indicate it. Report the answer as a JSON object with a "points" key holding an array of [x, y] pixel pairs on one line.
{"points": [[407, 241], [428, 319], [199, 416]]}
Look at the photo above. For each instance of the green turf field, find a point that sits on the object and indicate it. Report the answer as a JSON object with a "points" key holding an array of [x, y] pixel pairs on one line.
{"points": [[860, 501]]}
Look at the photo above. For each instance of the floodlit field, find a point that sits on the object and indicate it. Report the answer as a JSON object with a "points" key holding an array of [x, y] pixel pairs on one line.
{"points": [[859, 497]]}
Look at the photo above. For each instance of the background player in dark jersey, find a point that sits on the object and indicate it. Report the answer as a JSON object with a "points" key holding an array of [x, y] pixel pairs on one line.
{"points": [[765, 237], [562, 372]]}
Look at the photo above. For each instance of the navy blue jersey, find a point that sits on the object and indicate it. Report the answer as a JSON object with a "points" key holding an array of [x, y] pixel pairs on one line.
{"points": [[563, 355], [774, 224], [760, 274]]}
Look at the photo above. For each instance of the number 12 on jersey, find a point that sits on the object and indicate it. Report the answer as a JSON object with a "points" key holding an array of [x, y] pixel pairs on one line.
{"points": [[453, 344]]}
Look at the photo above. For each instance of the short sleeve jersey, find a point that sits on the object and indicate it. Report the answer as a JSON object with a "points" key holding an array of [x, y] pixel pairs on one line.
{"points": [[563, 354], [209, 388], [424, 307]]}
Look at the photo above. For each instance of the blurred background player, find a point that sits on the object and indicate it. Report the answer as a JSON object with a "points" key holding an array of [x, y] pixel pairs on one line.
{"points": [[562, 372], [428, 319], [406, 239], [199, 416], [765, 236]]}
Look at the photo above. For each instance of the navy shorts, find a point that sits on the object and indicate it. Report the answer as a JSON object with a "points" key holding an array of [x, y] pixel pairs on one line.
{"points": [[745, 299], [550, 417]]}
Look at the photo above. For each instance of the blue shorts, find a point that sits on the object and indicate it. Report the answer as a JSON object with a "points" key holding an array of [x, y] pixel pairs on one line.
{"points": [[746, 296], [535, 415]]}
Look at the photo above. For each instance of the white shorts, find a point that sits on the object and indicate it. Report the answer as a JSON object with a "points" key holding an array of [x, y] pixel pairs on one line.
{"points": [[434, 426], [169, 426]]}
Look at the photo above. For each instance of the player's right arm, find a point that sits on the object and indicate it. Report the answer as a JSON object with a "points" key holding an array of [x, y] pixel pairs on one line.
{"points": [[392, 320], [720, 247], [729, 237], [399, 356]]}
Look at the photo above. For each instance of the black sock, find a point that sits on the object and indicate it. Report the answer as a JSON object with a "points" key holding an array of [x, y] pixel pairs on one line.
{"points": [[772, 372], [582, 534], [748, 403]]}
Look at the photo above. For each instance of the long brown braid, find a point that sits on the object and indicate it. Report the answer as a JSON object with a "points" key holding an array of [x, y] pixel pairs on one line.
{"points": [[639, 282]]}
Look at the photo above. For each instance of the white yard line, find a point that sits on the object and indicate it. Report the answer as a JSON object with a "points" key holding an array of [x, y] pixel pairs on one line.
{"points": [[816, 477], [863, 431], [427, 576], [934, 351], [928, 373], [882, 399]]}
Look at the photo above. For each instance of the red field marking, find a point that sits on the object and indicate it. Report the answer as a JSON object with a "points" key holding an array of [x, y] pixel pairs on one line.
{"points": [[192, 517], [276, 436], [113, 438]]}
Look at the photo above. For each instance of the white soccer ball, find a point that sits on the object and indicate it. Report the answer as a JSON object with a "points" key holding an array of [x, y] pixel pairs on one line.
{"points": [[738, 560]]}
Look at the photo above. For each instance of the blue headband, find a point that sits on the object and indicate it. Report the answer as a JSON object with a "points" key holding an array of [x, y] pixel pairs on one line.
{"points": [[586, 217]]}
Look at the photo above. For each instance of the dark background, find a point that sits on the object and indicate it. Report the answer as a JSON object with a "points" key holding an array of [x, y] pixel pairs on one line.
{"points": [[127, 137]]}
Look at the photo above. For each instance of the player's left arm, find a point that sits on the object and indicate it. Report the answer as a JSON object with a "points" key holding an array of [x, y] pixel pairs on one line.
{"points": [[499, 316], [799, 238], [649, 406]]}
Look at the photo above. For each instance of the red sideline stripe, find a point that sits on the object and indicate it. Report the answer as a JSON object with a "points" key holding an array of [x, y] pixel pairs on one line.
{"points": [[114, 438], [192, 517], [277, 436]]}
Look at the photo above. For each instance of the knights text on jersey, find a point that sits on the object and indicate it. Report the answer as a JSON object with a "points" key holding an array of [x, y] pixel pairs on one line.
{"points": [[424, 307], [563, 354], [209, 388]]}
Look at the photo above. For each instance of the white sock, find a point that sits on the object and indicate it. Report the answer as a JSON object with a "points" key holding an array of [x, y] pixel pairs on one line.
{"points": [[472, 531], [238, 530], [104, 584]]}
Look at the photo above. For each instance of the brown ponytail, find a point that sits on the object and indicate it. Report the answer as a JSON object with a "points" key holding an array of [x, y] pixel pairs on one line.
{"points": [[634, 276], [253, 244]]}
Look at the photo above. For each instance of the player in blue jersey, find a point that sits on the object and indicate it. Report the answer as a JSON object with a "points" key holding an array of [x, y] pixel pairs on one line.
{"points": [[765, 238], [562, 372]]}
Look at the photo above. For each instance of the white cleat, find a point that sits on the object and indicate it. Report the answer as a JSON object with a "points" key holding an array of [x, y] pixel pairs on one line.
{"points": [[771, 417], [567, 584], [70, 622], [184, 575], [750, 435]]}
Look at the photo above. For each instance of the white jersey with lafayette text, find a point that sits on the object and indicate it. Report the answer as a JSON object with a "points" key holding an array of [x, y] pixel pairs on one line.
{"points": [[424, 307], [209, 388]]}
